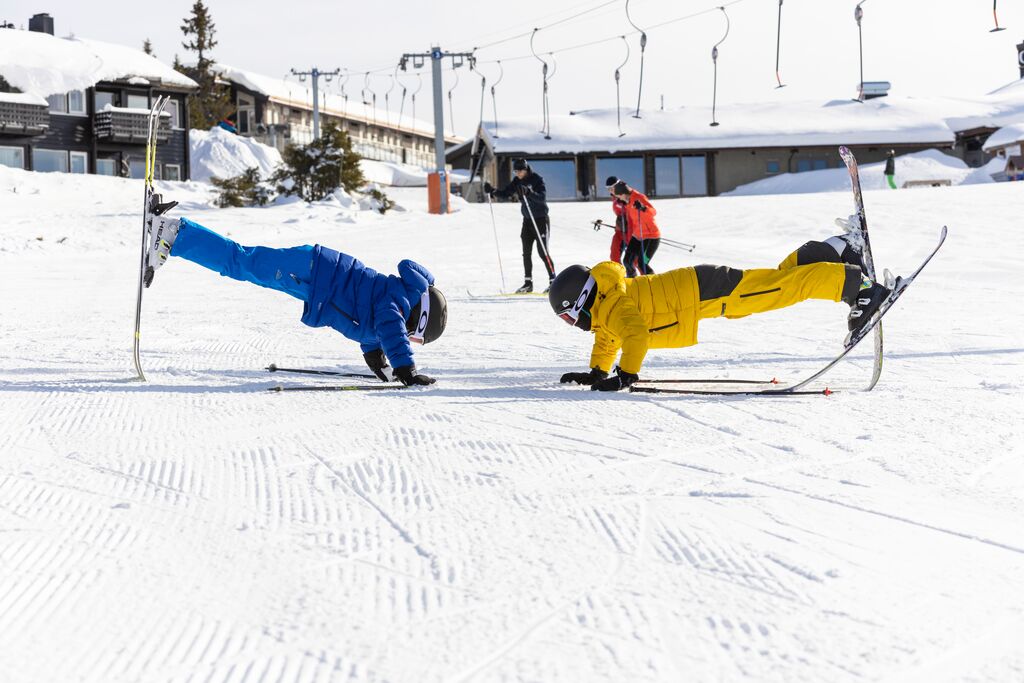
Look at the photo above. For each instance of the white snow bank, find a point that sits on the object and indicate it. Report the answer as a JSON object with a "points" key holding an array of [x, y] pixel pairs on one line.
{"points": [[988, 173], [22, 98], [219, 153], [402, 175], [929, 164], [1005, 136], [43, 65]]}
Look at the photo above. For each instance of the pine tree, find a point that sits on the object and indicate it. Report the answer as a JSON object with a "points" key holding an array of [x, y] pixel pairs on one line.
{"points": [[147, 47], [316, 170], [212, 103], [246, 189]]}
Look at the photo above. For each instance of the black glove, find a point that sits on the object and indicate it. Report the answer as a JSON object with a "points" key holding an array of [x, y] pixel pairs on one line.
{"points": [[407, 376], [594, 375], [525, 189], [638, 206], [376, 361], [488, 189], [620, 380]]}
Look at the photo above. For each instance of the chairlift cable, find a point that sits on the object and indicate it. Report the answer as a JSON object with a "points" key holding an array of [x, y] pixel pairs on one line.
{"points": [[618, 102], [858, 15], [387, 97], [996, 18], [714, 59], [451, 109], [545, 125], [643, 49], [419, 86], [401, 106], [778, 48], [494, 98]]}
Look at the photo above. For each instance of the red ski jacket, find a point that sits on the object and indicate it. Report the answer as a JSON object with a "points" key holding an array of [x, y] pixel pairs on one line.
{"points": [[641, 221]]}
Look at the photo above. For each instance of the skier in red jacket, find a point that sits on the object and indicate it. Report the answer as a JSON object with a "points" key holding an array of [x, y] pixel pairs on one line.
{"points": [[644, 236]]}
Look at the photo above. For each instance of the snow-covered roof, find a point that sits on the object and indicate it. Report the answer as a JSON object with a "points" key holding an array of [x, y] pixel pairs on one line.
{"points": [[891, 120], [292, 92], [43, 65], [22, 98], [1005, 136]]}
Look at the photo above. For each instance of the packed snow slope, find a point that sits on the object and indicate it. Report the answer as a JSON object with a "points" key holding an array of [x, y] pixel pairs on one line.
{"points": [[498, 526]]}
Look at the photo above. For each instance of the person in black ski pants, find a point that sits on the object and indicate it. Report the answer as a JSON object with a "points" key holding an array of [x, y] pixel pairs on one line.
{"points": [[528, 189]]}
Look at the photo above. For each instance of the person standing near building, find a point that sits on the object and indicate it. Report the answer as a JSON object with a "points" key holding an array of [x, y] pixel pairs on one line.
{"points": [[890, 168], [528, 189], [620, 240], [644, 235]]}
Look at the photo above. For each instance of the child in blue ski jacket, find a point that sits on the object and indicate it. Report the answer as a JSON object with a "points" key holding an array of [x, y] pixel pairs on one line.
{"points": [[384, 313]]}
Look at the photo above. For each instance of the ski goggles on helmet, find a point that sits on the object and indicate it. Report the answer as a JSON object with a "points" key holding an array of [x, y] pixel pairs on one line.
{"points": [[572, 310], [418, 333]]}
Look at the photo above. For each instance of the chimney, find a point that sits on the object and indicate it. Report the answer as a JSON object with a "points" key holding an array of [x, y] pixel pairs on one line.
{"points": [[41, 23]]}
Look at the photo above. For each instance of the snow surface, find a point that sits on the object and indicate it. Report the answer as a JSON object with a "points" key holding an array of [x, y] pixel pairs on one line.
{"points": [[929, 164], [22, 98], [499, 526], [889, 120], [1005, 137], [222, 154], [43, 65]]}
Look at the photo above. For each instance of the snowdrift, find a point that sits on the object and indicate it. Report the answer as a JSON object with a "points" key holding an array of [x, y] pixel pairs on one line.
{"points": [[222, 154]]}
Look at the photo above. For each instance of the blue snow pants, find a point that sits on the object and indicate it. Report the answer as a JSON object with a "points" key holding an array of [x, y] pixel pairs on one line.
{"points": [[286, 270]]}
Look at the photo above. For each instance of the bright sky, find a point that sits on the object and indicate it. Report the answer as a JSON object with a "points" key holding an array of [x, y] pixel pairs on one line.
{"points": [[922, 46]]}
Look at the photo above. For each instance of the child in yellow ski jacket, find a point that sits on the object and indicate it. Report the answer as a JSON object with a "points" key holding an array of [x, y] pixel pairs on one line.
{"points": [[633, 315]]}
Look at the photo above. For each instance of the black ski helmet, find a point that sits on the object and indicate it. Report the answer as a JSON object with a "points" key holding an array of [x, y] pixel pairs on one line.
{"points": [[425, 326], [520, 165], [610, 181], [572, 295]]}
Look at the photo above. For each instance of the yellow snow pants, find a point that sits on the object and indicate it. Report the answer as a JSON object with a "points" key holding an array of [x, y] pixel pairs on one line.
{"points": [[767, 289]]}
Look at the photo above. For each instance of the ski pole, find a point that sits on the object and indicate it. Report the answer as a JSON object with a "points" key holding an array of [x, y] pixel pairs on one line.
{"points": [[598, 224], [497, 246], [543, 247]]}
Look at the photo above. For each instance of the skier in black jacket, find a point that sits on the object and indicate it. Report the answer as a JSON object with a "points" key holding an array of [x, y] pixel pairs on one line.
{"points": [[528, 189]]}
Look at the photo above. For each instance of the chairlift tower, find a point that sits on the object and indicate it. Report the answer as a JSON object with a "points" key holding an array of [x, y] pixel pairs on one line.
{"points": [[314, 74], [437, 56]]}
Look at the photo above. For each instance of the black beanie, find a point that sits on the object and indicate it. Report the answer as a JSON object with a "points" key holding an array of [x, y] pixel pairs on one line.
{"points": [[611, 181], [621, 188], [519, 165]]}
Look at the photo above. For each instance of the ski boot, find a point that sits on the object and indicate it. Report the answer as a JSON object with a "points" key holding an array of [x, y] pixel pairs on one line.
{"points": [[162, 232], [870, 297], [526, 288]]}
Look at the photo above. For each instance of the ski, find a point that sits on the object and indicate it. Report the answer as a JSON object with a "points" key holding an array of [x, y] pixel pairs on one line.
{"points": [[708, 381], [900, 286], [331, 373], [507, 295], [153, 124], [733, 392], [868, 257], [339, 387]]}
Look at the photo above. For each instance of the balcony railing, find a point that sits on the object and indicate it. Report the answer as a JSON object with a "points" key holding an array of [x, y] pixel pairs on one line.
{"points": [[118, 124], [20, 118]]}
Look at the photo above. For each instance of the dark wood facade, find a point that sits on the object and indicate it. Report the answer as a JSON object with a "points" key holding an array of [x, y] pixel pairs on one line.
{"points": [[83, 132]]}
